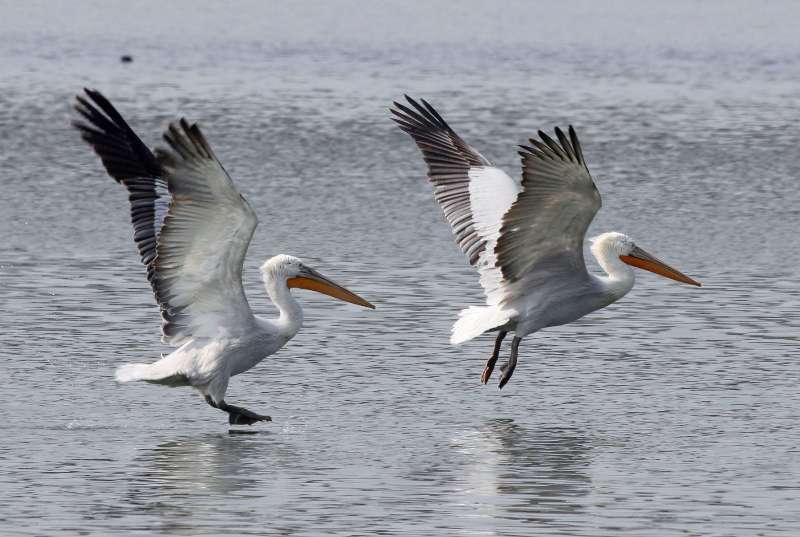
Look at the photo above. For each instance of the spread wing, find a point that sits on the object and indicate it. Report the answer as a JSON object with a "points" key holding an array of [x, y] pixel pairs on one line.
{"points": [[543, 232], [472, 193], [191, 225]]}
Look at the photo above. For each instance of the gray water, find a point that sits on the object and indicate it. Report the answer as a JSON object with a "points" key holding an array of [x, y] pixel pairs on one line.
{"points": [[672, 412]]}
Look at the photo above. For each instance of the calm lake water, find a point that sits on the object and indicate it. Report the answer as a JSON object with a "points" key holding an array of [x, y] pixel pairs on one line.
{"points": [[673, 412]]}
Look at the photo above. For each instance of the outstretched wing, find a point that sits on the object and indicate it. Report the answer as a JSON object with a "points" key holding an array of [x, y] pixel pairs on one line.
{"points": [[195, 249], [472, 193], [132, 164], [543, 233]]}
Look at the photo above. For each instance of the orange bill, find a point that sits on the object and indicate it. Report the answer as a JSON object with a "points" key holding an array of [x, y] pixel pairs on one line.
{"points": [[314, 281], [641, 259]]}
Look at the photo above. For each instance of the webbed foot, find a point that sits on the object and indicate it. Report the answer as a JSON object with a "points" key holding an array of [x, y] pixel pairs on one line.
{"points": [[236, 414], [242, 416], [487, 370], [508, 368]]}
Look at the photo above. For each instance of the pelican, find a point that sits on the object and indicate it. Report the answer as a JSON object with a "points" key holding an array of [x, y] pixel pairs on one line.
{"points": [[525, 237], [192, 228]]}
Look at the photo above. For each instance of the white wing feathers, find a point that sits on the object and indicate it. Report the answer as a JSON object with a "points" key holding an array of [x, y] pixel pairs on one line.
{"points": [[518, 236], [491, 194], [472, 193], [191, 225], [203, 242], [541, 239]]}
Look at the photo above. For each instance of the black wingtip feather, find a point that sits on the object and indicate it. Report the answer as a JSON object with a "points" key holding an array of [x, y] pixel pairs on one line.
{"points": [[552, 145], [129, 161], [122, 152], [449, 160], [576, 145], [566, 146]]}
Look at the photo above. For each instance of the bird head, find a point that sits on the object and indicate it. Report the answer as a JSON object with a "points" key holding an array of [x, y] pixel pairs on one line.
{"points": [[297, 274], [621, 246]]}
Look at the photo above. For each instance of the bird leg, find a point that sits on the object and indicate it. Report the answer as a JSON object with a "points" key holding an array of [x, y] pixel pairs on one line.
{"points": [[511, 364], [236, 414], [487, 371]]}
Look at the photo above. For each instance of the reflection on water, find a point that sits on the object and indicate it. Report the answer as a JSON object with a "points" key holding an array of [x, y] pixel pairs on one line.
{"points": [[173, 479], [538, 477], [545, 470], [670, 413], [217, 464]]}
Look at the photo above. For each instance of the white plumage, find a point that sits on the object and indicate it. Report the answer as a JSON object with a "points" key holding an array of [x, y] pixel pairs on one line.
{"points": [[524, 238], [192, 228]]}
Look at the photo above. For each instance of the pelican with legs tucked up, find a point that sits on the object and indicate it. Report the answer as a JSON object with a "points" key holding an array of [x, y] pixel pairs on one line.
{"points": [[192, 228], [524, 237]]}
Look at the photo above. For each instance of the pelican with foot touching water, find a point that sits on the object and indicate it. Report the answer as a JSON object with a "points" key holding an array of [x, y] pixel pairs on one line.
{"points": [[192, 228], [524, 237]]}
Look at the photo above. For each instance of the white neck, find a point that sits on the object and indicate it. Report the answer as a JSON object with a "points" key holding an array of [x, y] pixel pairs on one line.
{"points": [[620, 277], [291, 314]]}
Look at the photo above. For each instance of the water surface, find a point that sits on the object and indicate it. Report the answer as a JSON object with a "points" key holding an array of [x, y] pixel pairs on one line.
{"points": [[673, 412]]}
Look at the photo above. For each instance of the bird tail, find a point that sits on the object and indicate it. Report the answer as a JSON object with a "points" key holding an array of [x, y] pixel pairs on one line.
{"points": [[476, 320], [131, 372], [160, 372]]}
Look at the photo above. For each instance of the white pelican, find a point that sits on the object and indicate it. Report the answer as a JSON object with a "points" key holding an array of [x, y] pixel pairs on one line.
{"points": [[525, 238], [192, 228]]}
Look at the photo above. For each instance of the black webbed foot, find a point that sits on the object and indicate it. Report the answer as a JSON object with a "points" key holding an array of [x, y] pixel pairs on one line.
{"points": [[242, 416], [508, 368], [236, 414]]}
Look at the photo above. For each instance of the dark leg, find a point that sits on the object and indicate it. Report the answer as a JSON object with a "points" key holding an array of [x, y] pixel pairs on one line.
{"points": [[487, 371], [236, 414], [509, 367]]}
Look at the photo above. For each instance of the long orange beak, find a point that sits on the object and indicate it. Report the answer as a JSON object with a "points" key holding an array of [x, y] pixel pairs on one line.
{"points": [[641, 259], [314, 281]]}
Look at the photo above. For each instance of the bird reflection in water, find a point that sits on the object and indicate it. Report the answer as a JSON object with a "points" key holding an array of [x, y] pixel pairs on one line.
{"points": [[536, 475], [180, 479], [548, 467]]}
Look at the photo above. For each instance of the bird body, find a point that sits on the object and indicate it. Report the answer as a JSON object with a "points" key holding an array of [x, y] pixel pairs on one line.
{"points": [[208, 363], [555, 304], [525, 238], [551, 305], [193, 228]]}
